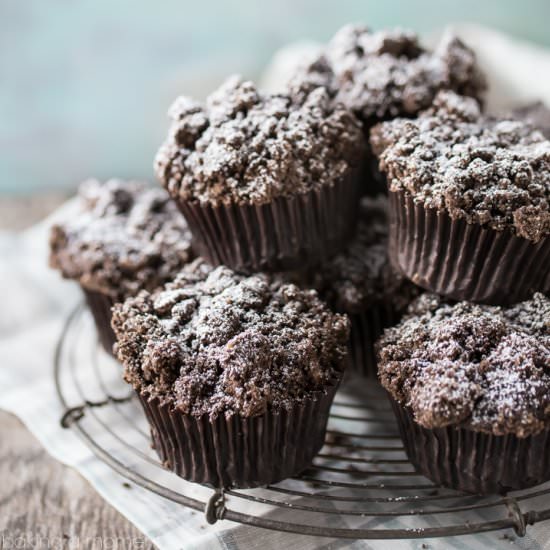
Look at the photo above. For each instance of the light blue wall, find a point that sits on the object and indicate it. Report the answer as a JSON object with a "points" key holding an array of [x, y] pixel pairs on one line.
{"points": [[85, 84]]}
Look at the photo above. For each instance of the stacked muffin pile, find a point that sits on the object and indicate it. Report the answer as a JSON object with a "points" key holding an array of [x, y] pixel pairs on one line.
{"points": [[470, 220], [307, 223]]}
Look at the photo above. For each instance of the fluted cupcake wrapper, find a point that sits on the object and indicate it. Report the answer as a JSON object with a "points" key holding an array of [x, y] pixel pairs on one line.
{"points": [[236, 451], [366, 328], [285, 234], [473, 461], [464, 261], [100, 306]]}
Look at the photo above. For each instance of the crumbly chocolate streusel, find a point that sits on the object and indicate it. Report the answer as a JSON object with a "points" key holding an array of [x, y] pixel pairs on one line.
{"points": [[384, 74], [491, 172], [482, 367], [536, 114], [215, 342], [127, 236], [361, 275], [247, 147]]}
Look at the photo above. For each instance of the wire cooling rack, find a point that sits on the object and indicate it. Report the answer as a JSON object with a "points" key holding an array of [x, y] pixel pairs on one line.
{"points": [[360, 486]]}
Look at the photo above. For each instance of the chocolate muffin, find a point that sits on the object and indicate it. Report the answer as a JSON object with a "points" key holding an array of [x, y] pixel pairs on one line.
{"points": [[469, 201], [266, 182], [386, 74], [470, 386], [361, 283], [126, 237], [236, 374]]}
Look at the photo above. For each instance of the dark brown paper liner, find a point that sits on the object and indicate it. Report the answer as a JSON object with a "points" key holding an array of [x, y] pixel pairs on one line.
{"points": [[100, 306], [475, 462], [285, 234], [237, 451], [464, 261], [366, 328]]}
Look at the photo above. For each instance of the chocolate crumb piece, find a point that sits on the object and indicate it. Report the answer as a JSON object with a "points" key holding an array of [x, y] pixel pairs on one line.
{"points": [[214, 342], [247, 147], [537, 114], [492, 172], [384, 74], [128, 236], [361, 275], [481, 367]]}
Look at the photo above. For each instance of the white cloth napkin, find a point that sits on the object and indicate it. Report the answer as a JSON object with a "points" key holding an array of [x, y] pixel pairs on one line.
{"points": [[35, 303]]}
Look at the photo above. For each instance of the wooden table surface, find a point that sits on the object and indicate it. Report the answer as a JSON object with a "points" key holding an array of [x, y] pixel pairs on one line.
{"points": [[43, 504]]}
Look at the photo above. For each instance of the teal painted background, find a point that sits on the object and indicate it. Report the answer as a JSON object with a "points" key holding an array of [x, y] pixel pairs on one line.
{"points": [[85, 84]]}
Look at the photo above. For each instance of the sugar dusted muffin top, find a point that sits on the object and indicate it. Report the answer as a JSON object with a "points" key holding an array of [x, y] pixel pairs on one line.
{"points": [[482, 367], [214, 342], [492, 172], [247, 147], [126, 237], [384, 74], [361, 275]]}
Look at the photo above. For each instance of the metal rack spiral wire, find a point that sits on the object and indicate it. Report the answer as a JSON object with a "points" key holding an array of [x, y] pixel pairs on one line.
{"points": [[360, 486]]}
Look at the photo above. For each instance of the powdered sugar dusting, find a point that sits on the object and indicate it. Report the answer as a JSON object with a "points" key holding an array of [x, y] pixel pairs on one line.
{"points": [[492, 172], [127, 236], [380, 75], [216, 342], [477, 366], [249, 147]]}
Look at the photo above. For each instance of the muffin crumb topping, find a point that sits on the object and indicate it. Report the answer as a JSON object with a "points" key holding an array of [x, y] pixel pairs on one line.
{"points": [[249, 147], [492, 172], [482, 367], [387, 73], [214, 342], [128, 236], [361, 275]]}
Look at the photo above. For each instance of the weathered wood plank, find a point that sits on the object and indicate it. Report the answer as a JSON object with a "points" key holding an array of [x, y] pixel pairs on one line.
{"points": [[44, 504]]}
